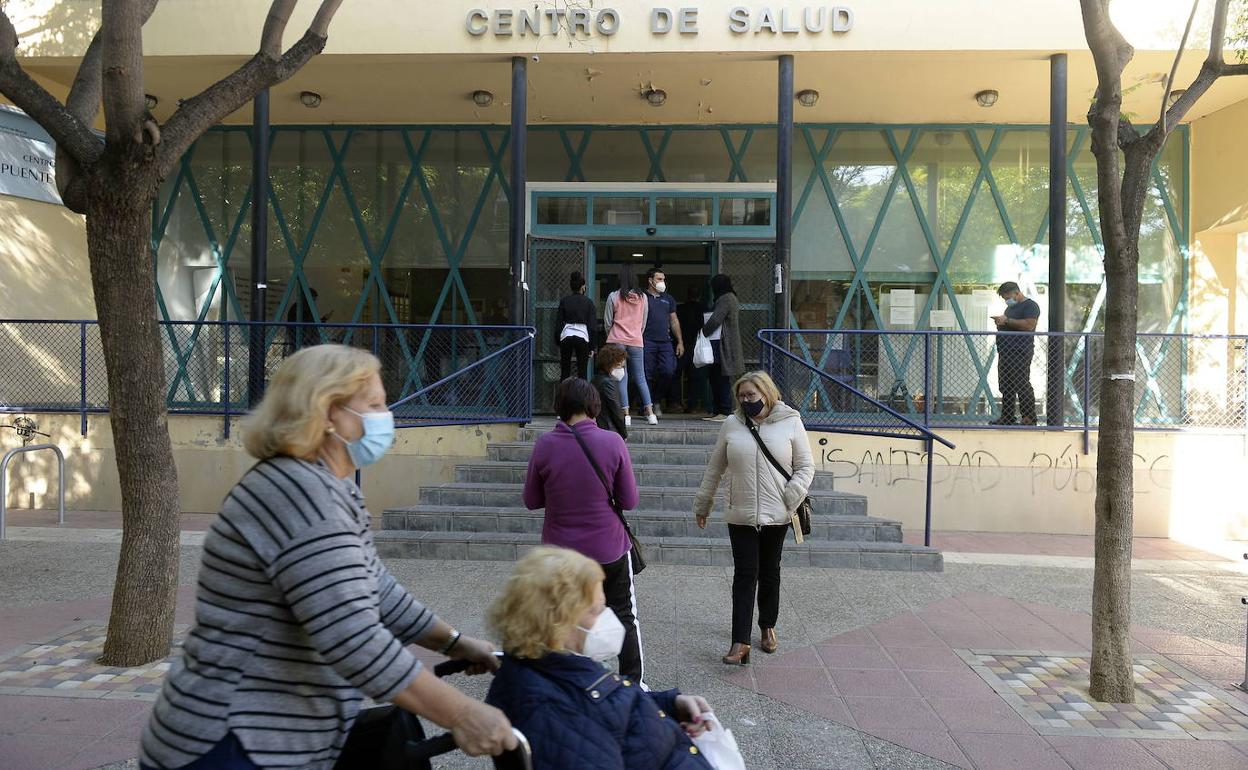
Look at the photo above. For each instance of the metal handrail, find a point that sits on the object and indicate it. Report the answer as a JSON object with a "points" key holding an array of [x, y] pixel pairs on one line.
{"points": [[531, 333], [926, 436], [4, 477]]}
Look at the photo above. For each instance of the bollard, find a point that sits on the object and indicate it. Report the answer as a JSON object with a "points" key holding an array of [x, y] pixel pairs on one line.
{"points": [[4, 472]]}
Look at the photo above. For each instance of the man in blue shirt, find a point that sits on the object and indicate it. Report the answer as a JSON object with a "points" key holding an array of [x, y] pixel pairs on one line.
{"points": [[661, 325], [1014, 352]]}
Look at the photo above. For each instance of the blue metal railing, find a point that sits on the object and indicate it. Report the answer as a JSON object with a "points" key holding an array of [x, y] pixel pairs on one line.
{"points": [[788, 370], [437, 374], [948, 379]]}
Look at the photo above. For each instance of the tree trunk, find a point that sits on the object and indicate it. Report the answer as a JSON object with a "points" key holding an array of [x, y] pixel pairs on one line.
{"points": [[119, 243], [1112, 677]]}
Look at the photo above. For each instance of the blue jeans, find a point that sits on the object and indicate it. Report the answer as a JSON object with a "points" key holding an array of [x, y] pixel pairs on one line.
{"points": [[636, 373]]}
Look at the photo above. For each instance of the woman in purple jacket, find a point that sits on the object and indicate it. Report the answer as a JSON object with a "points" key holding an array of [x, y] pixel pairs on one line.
{"points": [[579, 515]]}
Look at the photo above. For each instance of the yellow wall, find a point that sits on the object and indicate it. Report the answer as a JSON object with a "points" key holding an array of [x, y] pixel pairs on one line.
{"points": [[1188, 485], [208, 465], [1219, 219], [43, 248]]}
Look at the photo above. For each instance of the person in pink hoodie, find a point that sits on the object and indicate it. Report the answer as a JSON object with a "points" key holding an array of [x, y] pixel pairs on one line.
{"points": [[625, 319]]}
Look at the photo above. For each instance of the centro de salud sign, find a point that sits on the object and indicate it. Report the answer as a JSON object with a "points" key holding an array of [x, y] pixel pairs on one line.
{"points": [[521, 22]]}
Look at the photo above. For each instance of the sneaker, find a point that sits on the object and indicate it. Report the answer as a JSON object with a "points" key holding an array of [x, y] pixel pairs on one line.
{"points": [[657, 411], [652, 419], [716, 418], [628, 421]]}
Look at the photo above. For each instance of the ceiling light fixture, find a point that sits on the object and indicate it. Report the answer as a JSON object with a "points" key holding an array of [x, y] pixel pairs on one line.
{"points": [[150, 101], [657, 97], [310, 99], [807, 97], [482, 98], [987, 97], [638, 254]]}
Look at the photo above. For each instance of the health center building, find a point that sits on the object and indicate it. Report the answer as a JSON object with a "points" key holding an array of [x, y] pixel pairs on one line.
{"points": [[919, 135]]}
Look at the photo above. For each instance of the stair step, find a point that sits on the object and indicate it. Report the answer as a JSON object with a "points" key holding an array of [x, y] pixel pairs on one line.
{"points": [[642, 454], [422, 518], [496, 546], [648, 475], [674, 433], [657, 498]]}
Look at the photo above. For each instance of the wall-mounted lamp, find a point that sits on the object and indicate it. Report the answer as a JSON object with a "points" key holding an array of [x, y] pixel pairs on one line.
{"points": [[657, 97], [150, 101], [987, 97], [807, 97], [482, 98], [310, 99]]}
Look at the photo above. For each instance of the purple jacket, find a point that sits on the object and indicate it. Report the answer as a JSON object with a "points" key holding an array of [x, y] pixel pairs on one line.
{"points": [[578, 512]]}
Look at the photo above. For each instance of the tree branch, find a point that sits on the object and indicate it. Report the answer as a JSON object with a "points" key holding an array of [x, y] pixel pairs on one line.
{"points": [[1174, 68], [43, 107], [275, 26], [204, 110], [121, 34]]}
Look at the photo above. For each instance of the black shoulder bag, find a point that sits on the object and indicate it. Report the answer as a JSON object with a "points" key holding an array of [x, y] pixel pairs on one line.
{"points": [[639, 562], [801, 518]]}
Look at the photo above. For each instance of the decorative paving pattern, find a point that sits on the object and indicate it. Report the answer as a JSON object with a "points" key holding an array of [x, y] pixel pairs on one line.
{"points": [[64, 666], [1050, 691]]}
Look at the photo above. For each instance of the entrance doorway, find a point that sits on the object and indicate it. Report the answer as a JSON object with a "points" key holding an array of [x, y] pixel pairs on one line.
{"points": [[687, 265]]}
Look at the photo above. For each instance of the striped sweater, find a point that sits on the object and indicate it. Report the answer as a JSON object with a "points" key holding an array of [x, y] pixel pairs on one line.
{"points": [[296, 620]]}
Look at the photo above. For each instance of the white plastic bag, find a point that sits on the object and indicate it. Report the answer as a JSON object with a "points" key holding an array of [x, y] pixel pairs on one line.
{"points": [[703, 354], [718, 746]]}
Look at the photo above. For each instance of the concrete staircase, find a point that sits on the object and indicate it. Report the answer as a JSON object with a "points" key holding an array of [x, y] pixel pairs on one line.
{"points": [[480, 515]]}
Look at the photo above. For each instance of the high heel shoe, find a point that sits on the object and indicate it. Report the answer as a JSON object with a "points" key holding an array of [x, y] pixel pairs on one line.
{"points": [[738, 655], [769, 643]]}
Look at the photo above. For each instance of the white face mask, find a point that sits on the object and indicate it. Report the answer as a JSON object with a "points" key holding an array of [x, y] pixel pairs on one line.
{"points": [[660, 287], [604, 639], [618, 373]]}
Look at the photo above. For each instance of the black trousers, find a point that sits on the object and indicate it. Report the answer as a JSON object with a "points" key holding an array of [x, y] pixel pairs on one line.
{"points": [[622, 599], [568, 347], [756, 559], [721, 384], [1014, 379]]}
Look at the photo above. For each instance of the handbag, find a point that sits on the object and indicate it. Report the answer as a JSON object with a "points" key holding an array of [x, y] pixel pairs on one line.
{"points": [[639, 562], [801, 517], [703, 353]]}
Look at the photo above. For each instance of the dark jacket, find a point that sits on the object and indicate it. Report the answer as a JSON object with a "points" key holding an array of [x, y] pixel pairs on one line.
{"points": [[611, 415], [576, 309], [578, 716], [726, 316]]}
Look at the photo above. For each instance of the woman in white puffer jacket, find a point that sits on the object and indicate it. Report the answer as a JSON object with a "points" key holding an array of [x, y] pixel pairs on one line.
{"points": [[760, 502]]}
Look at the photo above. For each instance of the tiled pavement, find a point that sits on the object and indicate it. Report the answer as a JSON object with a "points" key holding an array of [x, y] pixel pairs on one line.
{"points": [[870, 674], [910, 680]]}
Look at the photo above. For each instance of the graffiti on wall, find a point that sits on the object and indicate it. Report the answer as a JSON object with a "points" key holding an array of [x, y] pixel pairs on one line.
{"points": [[979, 471]]}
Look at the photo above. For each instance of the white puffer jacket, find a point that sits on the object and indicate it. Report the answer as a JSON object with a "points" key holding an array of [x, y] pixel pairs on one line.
{"points": [[757, 493]]}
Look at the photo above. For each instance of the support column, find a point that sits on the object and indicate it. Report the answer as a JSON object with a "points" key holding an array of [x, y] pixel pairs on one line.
{"points": [[519, 181], [784, 191], [1055, 406], [259, 246]]}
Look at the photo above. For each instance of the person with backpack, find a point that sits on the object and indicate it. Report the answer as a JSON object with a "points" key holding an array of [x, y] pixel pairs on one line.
{"points": [[625, 318]]}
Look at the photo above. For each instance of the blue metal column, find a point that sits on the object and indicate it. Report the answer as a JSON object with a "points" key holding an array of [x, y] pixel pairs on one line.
{"points": [[519, 178], [259, 245], [784, 191], [1055, 406]]}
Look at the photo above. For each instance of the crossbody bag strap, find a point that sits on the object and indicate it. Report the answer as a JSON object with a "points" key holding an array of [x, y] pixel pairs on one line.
{"points": [[753, 427], [601, 477]]}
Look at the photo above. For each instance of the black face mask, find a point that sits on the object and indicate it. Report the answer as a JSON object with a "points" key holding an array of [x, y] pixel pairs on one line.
{"points": [[752, 409]]}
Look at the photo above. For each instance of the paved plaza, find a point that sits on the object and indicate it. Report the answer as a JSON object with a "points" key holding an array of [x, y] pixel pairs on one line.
{"points": [[979, 666]]}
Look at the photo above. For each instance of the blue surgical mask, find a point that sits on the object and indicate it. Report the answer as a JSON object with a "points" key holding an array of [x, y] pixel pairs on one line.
{"points": [[377, 439], [1011, 302]]}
